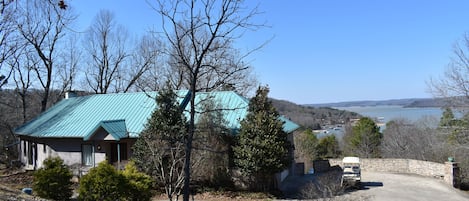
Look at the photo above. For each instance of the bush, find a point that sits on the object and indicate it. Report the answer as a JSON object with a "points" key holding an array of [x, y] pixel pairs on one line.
{"points": [[53, 181], [104, 182], [139, 183], [327, 185]]}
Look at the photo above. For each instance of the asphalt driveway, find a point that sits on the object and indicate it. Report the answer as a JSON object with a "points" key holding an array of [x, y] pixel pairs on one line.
{"points": [[390, 187], [387, 187]]}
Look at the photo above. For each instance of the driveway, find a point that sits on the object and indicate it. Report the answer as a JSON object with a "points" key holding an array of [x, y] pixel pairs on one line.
{"points": [[388, 187], [405, 187]]}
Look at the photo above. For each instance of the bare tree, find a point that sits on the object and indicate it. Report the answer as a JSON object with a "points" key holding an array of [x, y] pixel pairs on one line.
{"points": [[305, 147], [144, 72], [42, 25], [69, 61], [23, 63], [7, 40], [200, 36], [414, 140], [214, 78], [213, 143], [113, 66], [454, 84], [106, 42]]}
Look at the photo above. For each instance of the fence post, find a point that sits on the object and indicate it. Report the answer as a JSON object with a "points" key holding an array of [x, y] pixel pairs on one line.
{"points": [[452, 174]]}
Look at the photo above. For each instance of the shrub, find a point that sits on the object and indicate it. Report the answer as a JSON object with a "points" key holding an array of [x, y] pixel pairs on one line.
{"points": [[103, 182], [53, 181], [139, 184], [327, 185]]}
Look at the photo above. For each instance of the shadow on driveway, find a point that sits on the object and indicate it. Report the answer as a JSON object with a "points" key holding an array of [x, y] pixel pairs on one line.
{"points": [[367, 185]]}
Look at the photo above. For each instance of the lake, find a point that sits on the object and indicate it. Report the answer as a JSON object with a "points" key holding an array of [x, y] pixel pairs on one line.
{"points": [[386, 114], [391, 112]]}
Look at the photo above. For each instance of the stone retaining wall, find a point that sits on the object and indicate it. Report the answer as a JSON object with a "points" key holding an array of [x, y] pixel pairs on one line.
{"points": [[447, 171]]}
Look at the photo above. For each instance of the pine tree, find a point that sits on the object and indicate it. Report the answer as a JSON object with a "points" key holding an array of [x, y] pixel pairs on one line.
{"points": [[328, 147], [263, 147], [159, 150], [364, 139], [447, 118]]}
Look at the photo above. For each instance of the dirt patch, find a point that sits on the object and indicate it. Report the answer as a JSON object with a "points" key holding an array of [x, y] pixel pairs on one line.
{"points": [[12, 181], [7, 193], [16, 179]]}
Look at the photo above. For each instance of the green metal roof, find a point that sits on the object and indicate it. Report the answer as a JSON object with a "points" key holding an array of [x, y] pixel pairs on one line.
{"points": [[123, 114], [116, 128], [289, 126], [233, 106], [77, 117]]}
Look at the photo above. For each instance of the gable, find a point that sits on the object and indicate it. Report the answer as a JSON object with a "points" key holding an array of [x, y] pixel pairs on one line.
{"points": [[108, 130]]}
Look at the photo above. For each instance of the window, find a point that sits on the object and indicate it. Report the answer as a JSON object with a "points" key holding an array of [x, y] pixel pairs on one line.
{"points": [[44, 148], [87, 157]]}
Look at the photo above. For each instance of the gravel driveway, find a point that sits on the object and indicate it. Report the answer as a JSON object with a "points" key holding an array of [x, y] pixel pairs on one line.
{"points": [[405, 187]]}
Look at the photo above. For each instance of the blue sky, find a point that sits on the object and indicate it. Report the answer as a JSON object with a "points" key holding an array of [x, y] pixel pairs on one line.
{"points": [[332, 51]]}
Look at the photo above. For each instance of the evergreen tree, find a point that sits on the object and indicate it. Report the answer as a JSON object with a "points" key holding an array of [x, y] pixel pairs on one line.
{"points": [[364, 139], [447, 118], [328, 147], [263, 147], [159, 150]]}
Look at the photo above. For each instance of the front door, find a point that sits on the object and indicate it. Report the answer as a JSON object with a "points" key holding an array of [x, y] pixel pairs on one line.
{"points": [[118, 149]]}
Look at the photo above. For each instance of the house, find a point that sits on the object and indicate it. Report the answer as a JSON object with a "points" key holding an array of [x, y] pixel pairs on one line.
{"points": [[85, 130]]}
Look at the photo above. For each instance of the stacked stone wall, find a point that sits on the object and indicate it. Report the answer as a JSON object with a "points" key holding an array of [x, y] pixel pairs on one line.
{"points": [[447, 171], [427, 168]]}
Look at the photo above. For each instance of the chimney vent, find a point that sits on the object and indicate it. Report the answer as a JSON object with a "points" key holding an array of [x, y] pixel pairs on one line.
{"points": [[70, 94]]}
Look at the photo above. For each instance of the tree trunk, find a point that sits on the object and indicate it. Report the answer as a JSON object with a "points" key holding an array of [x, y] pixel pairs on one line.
{"points": [[190, 135]]}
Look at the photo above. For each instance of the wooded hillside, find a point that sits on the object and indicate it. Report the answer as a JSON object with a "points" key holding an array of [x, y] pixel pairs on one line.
{"points": [[313, 117], [410, 102]]}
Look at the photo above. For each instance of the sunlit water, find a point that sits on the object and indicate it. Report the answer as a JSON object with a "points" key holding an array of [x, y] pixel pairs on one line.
{"points": [[386, 114]]}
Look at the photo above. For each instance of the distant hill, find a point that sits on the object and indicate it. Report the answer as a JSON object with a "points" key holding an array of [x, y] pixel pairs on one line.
{"points": [[410, 102], [313, 117]]}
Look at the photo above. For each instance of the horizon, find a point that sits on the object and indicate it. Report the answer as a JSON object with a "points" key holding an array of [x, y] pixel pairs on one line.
{"points": [[352, 101], [333, 51]]}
